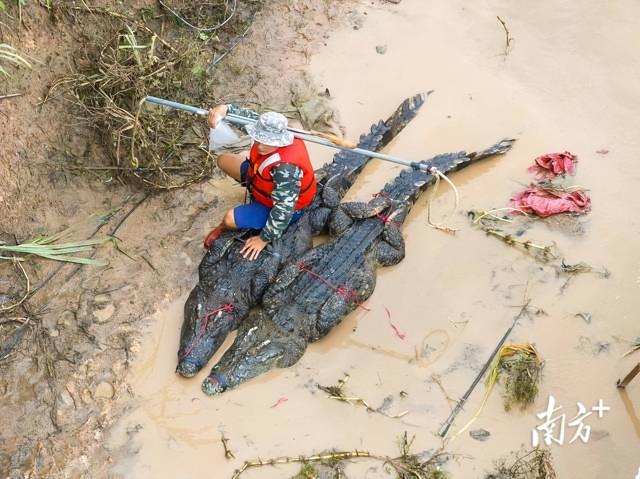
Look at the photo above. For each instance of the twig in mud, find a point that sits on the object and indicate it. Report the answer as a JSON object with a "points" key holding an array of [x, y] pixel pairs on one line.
{"points": [[573, 270], [12, 95], [333, 456], [535, 464], [337, 392], [4, 309], [227, 452], [407, 465], [236, 43], [103, 219], [450, 400], [6, 349], [508, 37], [202, 29], [484, 220], [449, 422], [113, 231]]}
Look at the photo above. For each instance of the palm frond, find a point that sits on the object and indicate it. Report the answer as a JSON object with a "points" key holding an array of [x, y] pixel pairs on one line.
{"points": [[42, 246]]}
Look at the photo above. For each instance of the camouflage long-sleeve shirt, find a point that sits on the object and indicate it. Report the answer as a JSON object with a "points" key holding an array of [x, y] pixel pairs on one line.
{"points": [[287, 179], [286, 190]]}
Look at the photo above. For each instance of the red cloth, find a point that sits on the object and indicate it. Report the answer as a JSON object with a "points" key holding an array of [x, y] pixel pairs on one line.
{"points": [[546, 202], [554, 164]]}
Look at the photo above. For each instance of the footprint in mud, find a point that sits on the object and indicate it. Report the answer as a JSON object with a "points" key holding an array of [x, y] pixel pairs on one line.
{"points": [[103, 308]]}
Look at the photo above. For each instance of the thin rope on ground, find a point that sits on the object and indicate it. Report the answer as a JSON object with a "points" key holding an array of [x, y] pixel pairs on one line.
{"points": [[441, 226], [200, 29]]}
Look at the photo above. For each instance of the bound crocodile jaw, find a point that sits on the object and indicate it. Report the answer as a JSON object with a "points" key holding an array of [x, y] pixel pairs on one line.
{"points": [[187, 369], [212, 385]]}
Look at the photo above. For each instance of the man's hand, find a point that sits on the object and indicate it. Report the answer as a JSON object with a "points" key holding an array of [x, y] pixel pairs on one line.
{"points": [[216, 114], [252, 247]]}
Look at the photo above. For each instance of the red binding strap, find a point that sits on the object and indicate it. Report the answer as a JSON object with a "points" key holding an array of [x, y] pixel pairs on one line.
{"points": [[203, 329], [347, 293]]}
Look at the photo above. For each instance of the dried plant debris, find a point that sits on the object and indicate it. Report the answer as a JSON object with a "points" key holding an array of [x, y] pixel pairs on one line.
{"points": [[488, 221], [154, 146], [492, 223], [409, 466], [534, 464], [330, 465], [337, 392]]}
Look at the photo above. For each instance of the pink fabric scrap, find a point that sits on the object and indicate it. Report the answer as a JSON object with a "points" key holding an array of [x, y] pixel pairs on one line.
{"points": [[546, 202], [554, 164]]}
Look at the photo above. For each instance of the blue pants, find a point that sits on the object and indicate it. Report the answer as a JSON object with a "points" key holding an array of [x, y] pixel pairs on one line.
{"points": [[254, 215]]}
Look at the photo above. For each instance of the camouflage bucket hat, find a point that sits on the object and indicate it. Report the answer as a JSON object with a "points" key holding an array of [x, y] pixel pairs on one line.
{"points": [[271, 129]]}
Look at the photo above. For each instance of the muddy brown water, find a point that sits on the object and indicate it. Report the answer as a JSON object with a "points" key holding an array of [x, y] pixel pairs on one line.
{"points": [[569, 82]]}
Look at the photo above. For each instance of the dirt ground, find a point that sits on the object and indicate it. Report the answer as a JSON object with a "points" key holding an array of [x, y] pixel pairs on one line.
{"points": [[89, 389]]}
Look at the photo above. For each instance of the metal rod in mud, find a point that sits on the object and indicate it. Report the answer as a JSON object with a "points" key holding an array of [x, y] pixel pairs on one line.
{"points": [[622, 383], [302, 134], [449, 422]]}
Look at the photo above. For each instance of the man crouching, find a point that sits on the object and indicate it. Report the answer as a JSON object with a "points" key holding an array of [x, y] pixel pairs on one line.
{"points": [[278, 176]]}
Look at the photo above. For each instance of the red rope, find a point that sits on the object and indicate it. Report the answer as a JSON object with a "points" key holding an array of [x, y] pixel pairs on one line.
{"points": [[228, 307], [384, 218], [382, 194], [344, 291]]}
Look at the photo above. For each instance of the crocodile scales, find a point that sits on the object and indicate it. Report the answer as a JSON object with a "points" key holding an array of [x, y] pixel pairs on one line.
{"points": [[229, 285], [311, 296]]}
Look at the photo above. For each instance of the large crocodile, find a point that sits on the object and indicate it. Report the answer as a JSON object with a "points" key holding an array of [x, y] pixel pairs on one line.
{"points": [[230, 285], [312, 295]]}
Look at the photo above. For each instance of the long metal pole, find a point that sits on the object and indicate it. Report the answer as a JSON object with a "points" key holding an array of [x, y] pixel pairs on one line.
{"points": [[240, 120]]}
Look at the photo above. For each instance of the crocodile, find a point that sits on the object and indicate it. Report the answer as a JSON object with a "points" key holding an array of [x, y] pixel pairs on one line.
{"points": [[313, 294], [230, 285]]}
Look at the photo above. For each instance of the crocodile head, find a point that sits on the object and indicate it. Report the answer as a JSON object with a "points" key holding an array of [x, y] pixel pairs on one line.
{"points": [[208, 320], [259, 347]]}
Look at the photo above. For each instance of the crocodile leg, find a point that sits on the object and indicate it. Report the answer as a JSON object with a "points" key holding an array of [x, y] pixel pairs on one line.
{"points": [[391, 249]]}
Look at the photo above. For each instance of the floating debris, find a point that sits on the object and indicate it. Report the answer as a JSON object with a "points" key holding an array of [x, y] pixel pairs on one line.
{"points": [[406, 466], [551, 165], [487, 222], [225, 444], [480, 434], [337, 392], [534, 464], [585, 316]]}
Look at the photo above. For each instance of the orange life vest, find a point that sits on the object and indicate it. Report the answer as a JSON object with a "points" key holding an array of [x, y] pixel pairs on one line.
{"points": [[260, 182]]}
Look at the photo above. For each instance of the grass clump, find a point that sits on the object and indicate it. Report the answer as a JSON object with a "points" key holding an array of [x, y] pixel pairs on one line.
{"points": [[520, 368], [534, 464], [159, 149], [152, 146], [10, 57]]}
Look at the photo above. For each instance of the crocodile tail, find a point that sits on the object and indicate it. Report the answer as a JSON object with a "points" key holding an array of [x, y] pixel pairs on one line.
{"points": [[406, 112], [341, 173], [500, 148]]}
